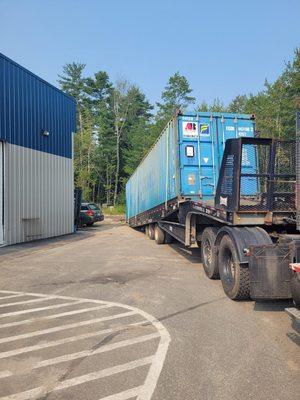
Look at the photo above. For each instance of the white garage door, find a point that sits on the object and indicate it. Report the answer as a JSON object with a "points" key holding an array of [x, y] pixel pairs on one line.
{"points": [[1, 193]]}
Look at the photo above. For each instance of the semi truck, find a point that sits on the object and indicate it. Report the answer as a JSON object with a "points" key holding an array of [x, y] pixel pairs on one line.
{"points": [[210, 181]]}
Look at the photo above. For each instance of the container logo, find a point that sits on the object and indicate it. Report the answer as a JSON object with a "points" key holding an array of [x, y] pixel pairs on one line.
{"points": [[204, 129], [189, 129], [223, 201]]}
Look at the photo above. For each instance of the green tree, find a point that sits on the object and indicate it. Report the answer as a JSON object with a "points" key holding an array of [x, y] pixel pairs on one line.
{"points": [[204, 107], [176, 95], [73, 83], [276, 104], [99, 90], [216, 106], [140, 135], [238, 104]]}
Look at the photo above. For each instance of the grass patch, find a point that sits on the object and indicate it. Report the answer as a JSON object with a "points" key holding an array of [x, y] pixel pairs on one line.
{"points": [[111, 210]]}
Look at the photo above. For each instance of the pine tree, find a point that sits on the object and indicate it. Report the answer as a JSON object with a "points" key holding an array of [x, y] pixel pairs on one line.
{"points": [[176, 95]]}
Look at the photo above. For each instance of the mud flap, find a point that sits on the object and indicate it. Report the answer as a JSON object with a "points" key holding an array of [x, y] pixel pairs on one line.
{"points": [[270, 274]]}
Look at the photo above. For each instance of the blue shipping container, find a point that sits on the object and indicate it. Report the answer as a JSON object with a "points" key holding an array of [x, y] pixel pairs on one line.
{"points": [[186, 159]]}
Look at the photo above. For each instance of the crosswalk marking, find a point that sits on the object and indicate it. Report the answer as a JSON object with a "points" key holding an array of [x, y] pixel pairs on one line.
{"points": [[11, 296], [127, 394], [64, 327], [34, 310], [54, 343], [87, 353], [78, 380], [18, 303], [80, 311], [147, 334]]}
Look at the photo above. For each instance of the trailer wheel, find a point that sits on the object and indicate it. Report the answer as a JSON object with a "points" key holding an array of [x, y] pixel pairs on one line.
{"points": [[147, 230], [151, 232], [208, 255], [159, 235], [234, 277]]}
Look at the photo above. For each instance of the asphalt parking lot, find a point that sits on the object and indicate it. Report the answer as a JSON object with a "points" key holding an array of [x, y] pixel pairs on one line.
{"points": [[108, 314]]}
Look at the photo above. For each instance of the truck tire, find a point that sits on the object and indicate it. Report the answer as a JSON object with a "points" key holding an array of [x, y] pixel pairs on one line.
{"points": [[151, 232], [159, 235], [147, 230], [208, 254], [234, 277]]}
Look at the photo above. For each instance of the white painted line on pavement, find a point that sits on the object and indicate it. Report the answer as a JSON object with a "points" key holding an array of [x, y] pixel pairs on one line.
{"points": [[79, 380], [127, 394], [87, 353], [5, 374], [11, 296], [158, 361], [54, 343], [146, 390], [80, 311], [103, 349], [58, 297], [18, 303], [33, 310], [64, 327]]}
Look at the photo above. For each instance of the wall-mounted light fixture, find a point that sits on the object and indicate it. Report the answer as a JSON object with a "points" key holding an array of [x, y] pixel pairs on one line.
{"points": [[44, 132]]}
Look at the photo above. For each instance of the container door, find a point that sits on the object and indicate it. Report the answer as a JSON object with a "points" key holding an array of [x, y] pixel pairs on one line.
{"points": [[1, 194], [189, 161], [197, 156], [235, 127], [208, 156]]}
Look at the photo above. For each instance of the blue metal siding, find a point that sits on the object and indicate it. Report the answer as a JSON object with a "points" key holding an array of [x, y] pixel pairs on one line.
{"points": [[29, 105]]}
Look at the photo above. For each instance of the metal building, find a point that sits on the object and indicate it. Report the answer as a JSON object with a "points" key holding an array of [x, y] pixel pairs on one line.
{"points": [[37, 122]]}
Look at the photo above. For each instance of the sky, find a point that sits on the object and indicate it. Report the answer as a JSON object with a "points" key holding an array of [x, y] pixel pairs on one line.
{"points": [[224, 48]]}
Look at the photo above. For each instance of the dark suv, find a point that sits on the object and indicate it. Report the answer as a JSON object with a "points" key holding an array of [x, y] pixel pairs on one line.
{"points": [[90, 213]]}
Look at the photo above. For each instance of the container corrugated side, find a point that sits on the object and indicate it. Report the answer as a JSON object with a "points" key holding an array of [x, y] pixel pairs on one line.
{"points": [[156, 179], [298, 169]]}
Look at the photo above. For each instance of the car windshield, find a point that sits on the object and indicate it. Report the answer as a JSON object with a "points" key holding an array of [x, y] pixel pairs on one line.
{"points": [[93, 207]]}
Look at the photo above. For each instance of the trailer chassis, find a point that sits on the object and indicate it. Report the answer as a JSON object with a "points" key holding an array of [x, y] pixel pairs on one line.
{"points": [[250, 239]]}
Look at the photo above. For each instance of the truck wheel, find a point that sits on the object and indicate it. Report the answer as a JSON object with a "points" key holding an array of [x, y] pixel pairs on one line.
{"points": [[159, 235], [151, 232], [147, 230], [234, 277], [208, 254]]}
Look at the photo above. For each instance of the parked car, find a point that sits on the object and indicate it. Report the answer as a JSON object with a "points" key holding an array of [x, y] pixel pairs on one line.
{"points": [[90, 213]]}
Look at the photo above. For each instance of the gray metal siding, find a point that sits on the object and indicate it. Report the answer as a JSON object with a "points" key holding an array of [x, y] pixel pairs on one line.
{"points": [[38, 194]]}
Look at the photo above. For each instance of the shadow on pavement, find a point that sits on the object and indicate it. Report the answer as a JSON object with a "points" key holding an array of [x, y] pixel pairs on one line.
{"points": [[272, 305], [37, 245], [191, 308], [193, 255]]}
